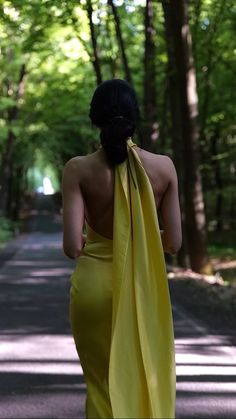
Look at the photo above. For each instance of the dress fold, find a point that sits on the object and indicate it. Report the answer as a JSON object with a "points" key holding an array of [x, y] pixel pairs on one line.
{"points": [[142, 362]]}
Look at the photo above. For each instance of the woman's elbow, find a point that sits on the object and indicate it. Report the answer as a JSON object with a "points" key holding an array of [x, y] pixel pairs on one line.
{"points": [[172, 249], [173, 246], [72, 252]]}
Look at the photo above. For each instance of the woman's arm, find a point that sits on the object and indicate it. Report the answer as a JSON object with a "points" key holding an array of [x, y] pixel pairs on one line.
{"points": [[170, 213], [73, 210]]}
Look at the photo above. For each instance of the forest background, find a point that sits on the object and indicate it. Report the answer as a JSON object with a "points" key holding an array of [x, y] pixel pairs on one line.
{"points": [[179, 55]]}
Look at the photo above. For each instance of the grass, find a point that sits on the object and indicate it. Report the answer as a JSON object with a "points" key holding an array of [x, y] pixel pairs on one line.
{"points": [[7, 230], [222, 252]]}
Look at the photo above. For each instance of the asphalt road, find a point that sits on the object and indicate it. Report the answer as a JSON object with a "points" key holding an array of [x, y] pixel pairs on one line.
{"points": [[40, 376]]}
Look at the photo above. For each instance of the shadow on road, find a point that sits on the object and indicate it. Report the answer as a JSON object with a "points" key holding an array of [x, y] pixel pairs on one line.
{"points": [[34, 287], [40, 375]]}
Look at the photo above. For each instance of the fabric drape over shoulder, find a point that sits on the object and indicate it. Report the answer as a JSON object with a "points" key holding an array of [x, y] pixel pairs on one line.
{"points": [[142, 361]]}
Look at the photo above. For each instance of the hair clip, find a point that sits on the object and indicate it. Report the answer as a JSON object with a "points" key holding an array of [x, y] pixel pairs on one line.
{"points": [[117, 117]]}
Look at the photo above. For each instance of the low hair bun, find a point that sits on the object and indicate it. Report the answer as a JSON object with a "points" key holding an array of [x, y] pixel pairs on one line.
{"points": [[114, 109], [114, 137]]}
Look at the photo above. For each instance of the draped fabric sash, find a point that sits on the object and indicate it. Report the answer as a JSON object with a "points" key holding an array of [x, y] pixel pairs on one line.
{"points": [[142, 358]]}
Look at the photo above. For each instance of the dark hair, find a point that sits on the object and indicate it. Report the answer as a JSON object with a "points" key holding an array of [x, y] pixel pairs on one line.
{"points": [[114, 109]]}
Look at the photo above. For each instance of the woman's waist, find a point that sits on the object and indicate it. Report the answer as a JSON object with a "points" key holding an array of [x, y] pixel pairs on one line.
{"points": [[94, 236], [97, 249]]}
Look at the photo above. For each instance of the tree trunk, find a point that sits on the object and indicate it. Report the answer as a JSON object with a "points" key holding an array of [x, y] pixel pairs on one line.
{"points": [[177, 130], [211, 62], [184, 99], [69, 9], [232, 222], [127, 71], [17, 193], [150, 125], [218, 180], [95, 58], [114, 61], [164, 125], [196, 19], [5, 179], [121, 42]]}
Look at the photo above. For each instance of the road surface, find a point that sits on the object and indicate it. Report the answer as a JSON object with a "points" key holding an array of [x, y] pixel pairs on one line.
{"points": [[40, 376]]}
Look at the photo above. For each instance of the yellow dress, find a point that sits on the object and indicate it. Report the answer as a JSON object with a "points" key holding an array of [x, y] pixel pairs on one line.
{"points": [[120, 308]]}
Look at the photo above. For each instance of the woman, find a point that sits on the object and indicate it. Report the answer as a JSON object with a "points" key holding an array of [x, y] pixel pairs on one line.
{"points": [[119, 302]]}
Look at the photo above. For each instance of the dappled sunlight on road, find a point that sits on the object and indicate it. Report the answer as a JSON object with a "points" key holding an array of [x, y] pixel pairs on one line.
{"points": [[21, 262], [40, 374], [206, 370], [38, 246], [51, 272], [39, 354]]}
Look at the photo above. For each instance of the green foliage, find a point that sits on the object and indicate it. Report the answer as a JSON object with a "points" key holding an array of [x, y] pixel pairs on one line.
{"points": [[52, 39], [6, 103], [6, 230]]}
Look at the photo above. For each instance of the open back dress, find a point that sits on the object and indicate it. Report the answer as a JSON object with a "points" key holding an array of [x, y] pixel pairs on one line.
{"points": [[120, 308]]}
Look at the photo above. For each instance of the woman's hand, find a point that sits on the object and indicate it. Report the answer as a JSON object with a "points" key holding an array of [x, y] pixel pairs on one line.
{"points": [[84, 238]]}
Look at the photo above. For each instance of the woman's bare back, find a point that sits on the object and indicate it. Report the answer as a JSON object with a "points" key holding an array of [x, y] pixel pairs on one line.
{"points": [[96, 179], [88, 192]]}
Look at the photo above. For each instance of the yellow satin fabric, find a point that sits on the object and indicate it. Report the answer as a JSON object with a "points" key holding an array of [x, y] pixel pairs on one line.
{"points": [[120, 308]]}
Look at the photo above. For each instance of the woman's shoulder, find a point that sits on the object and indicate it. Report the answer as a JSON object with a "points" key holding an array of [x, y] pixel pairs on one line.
{"points": [[77, 161], [157, 162], [83, 166]]}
